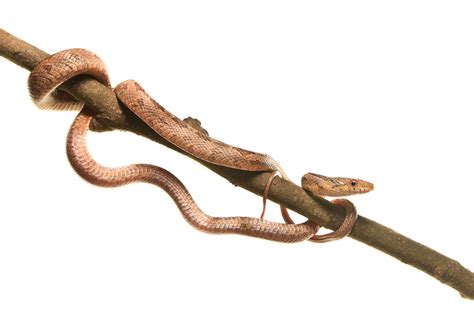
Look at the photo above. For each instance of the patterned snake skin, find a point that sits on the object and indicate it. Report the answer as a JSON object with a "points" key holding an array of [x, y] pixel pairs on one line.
{"points": [[58, 68]]}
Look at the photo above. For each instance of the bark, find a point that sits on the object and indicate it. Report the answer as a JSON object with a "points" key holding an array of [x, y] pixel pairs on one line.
{"points": [[111, 115]]}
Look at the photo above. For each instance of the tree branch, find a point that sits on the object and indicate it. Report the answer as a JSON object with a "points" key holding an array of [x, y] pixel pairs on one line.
{"points": [[111, 115]]}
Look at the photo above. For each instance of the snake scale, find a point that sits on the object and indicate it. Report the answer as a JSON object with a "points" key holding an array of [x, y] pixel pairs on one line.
{"points": [[50, 73]]}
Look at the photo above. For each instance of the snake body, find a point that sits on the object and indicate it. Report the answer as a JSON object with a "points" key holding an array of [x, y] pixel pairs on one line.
{"points": [[95, 173], [58, 68], [187, 138]]}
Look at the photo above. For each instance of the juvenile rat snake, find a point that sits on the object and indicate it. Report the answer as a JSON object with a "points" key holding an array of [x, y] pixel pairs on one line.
{"points": [[60, 67]]}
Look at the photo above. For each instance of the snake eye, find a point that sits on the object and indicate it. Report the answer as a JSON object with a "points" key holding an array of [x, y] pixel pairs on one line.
{"points": [[353, 183]]}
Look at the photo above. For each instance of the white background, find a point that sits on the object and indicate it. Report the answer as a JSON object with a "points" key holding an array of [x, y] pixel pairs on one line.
{"points": [[377, 90]]}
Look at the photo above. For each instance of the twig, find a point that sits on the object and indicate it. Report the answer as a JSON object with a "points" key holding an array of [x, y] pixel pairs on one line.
{"points": [[112, 116]]}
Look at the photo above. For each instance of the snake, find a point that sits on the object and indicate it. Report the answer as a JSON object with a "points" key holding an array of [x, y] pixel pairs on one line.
{"points": [[43, 83]]}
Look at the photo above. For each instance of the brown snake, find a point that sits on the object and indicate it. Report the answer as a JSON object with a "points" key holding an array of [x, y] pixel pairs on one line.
{"points": [[58, 68]]}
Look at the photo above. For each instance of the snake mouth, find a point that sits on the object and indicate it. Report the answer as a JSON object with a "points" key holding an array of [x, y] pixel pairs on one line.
{"points": [[365, 187]]}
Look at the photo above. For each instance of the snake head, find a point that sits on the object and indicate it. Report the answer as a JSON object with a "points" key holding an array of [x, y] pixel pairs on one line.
{"points": [[334, 186]]}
